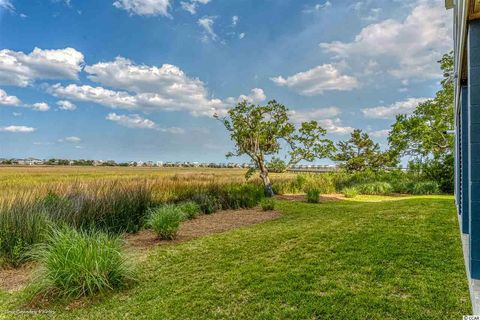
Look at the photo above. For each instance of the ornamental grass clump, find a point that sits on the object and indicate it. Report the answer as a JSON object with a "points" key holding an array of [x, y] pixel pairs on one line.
{"points": [[267, 204], [81, 263], [426, 188], [190, 210], [165, 221], [313, 195], [350, 192], [375, 188]]}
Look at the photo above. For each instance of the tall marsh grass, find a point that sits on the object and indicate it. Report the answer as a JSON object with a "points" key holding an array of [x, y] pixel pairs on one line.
{"points": [[22, 225]]}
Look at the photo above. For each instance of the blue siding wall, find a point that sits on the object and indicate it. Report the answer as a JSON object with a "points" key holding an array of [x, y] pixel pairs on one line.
{"points": [[474, 141], [463, 160]]}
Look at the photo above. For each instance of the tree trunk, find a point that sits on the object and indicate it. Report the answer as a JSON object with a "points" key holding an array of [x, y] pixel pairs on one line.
{"points": [[266, 180]]}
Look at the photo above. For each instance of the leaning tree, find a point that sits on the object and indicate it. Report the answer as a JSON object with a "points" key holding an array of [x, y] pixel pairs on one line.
{"points": [[260, 132]]}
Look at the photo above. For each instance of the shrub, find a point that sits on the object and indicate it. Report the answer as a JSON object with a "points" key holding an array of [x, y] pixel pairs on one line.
{"points": [[404, 187], [22, 225], [313, 195], [190, 210], [350, 192], [427, 187], [81, 263], [165, 221], [236, 197], [375, 188], [208, 203], [267, 204]]}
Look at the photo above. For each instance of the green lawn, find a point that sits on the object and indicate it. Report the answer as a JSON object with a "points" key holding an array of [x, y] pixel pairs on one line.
{"points": [[397, 259]]}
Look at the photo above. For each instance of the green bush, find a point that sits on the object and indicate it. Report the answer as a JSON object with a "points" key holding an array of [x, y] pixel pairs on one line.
{"points": [[22, 225], [350, 192], [267, 204], [190, 210], [426, 187], [313, 195], [375, 188], [165, 221], [81, 263], [208, 203]]}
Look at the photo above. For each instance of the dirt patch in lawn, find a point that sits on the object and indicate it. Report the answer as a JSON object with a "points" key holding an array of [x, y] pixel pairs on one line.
{"points": [[204, 225], [301, 197], [14, 279]]}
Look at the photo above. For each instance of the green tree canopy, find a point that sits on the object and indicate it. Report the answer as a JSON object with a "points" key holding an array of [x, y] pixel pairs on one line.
{"points": [[423, 134], [260, 132], [360, 153]]}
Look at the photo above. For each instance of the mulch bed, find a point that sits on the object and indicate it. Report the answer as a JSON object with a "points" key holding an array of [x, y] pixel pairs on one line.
{"points": [[16, 279], [204, 225]]}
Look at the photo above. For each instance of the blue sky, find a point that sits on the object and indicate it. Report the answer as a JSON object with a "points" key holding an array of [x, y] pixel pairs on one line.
{"points": [[140, 79]]}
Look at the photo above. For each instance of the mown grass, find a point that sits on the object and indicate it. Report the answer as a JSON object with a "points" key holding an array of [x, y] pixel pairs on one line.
{"points": [[351, 259]]}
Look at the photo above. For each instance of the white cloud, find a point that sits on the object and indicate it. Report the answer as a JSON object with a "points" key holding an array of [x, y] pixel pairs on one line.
{"points": [[299, 116], [72, 139], [235, 20], [318, 80], [20, 69], [144, 7], [16, 114], [66, 105], [380, 133], [192, 5], [131, 121], [257, 95], [68, 3], [326, 118], [317, 7], [406, 49], [136, 121], [147, 88], [39, 106], [106, 97], [7, 100], [241, 35], [388, 112], [207, 24], [7, 5], [335, 126], [17, 129]]}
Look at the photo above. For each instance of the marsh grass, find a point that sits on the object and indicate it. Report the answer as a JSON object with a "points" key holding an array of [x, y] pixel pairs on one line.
{"points": [[112, 206], [22, 225]]}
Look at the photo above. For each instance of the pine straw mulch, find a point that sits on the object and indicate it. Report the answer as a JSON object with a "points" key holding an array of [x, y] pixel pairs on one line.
{"points": [[137, 245]]}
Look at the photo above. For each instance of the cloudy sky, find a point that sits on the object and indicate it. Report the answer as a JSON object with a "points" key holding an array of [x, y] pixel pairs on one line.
{"points": [[140, 79]]}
